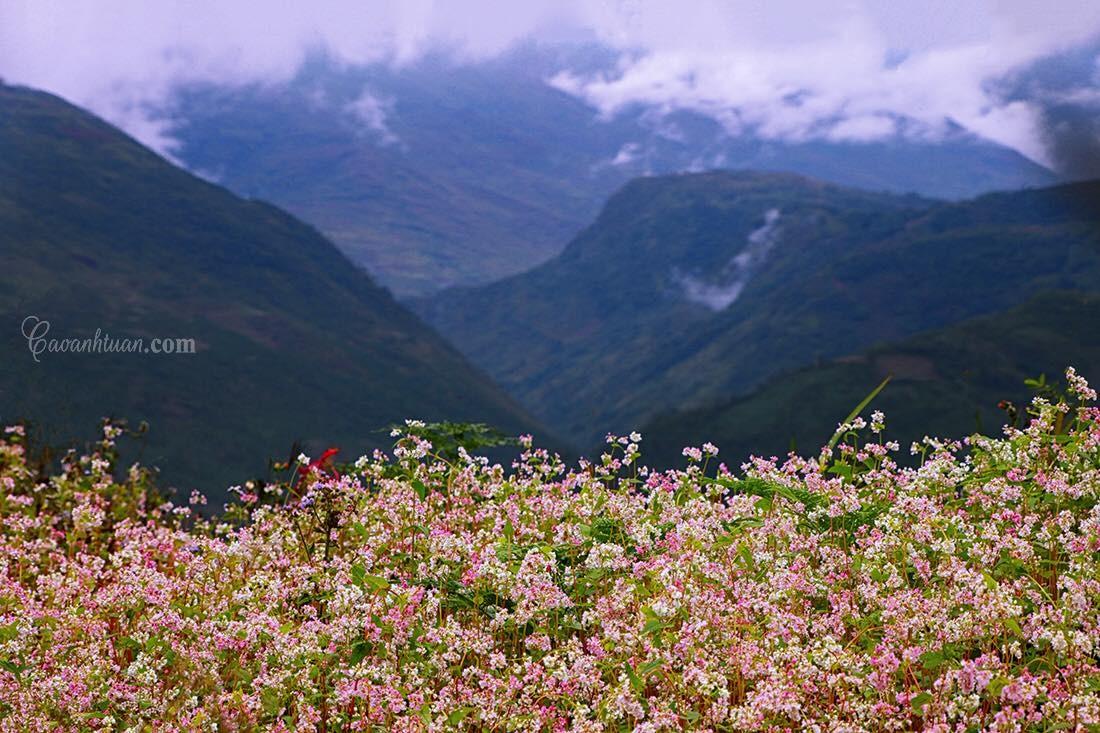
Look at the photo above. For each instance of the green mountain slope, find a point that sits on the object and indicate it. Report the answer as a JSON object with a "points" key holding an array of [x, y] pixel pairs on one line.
{"points": [[693, 288], [293, 340], [946, 383]]}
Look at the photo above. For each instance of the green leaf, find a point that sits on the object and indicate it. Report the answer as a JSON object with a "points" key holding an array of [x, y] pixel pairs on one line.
{"points": [[359, 652], [725, 540], [932, 661], [606, 529], [859, 408], [358, 574], [736, 526], [918, 702], [367, 582], [744, 554], [129, 643], [420, 488], [636, 682], [15, 669], [376, 583], [459, 715], [271, 701], [8, 632]]}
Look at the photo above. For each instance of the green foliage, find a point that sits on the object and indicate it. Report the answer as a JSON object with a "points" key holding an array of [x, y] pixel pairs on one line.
{"points": [[857, 410], [447, 437]]}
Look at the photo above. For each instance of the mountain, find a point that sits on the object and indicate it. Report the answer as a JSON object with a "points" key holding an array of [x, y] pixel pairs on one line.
{"points": [[689, 289], [292, 340], [434, 173], [947, 382]]}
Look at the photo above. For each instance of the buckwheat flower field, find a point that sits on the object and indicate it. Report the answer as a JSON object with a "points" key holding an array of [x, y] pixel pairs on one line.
{"points": [[958, 591]]}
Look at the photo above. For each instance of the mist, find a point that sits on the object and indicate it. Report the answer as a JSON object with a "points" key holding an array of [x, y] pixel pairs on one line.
{"points": [[791, 70]]}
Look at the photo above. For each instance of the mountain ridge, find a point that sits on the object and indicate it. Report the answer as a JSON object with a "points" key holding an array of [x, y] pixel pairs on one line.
{"points": [[294, 341], [439, 174], [608, 323], [947, 382]]}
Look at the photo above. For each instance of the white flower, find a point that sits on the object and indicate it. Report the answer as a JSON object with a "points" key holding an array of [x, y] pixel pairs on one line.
{"points": [[878, 421]]}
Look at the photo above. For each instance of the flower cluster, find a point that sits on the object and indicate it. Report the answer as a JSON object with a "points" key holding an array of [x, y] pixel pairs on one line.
{"points": [[854, 590]]}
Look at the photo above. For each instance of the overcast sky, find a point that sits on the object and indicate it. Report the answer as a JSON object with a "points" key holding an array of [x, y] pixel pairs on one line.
{"points": [[787, 69]]}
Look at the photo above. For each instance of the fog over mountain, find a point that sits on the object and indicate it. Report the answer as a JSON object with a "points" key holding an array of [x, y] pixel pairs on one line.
{"points": [[735, 275], [1063, 90], [433, 174], [792, 70]]}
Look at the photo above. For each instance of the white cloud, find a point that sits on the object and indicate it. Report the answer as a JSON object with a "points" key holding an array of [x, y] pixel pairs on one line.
{"points": [[863, 128], [787, 69], [122, 58], [628, 153], [373, 112], [848, 79], [724, 292]]}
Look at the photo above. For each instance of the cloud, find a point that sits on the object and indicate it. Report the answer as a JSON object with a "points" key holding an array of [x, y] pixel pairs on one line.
{"points": [[373, 112], [717, 296], [850, 79], [628, 153], [1062, 91], [123, 58], [782, 69], [863, 128]]}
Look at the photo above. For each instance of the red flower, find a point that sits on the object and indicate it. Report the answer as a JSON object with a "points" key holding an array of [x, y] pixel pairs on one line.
{"points": [[322, 464]]}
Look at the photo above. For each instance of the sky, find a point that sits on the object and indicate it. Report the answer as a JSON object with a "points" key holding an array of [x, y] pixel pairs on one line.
{"points": [[780, 69]]}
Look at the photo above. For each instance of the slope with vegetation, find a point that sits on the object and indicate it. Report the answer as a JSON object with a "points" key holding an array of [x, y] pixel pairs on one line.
{"points": [[293, 340], [672, 298], [948, 382]]}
